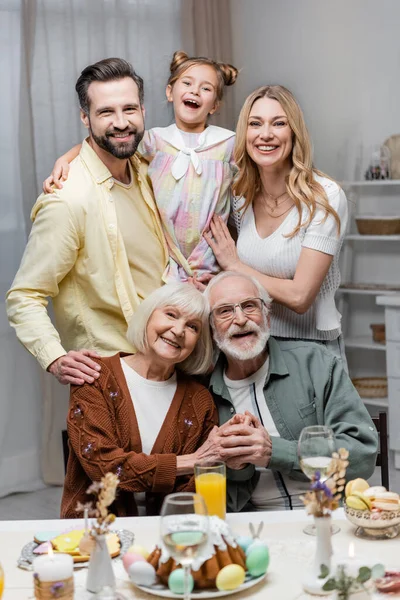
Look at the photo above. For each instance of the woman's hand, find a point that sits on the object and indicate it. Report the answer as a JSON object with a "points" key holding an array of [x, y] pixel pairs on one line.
{"points": [[221, 243], [58, 175]]}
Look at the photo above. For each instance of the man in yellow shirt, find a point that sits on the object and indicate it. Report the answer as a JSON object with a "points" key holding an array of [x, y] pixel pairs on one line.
{"points": [[96, 246]]}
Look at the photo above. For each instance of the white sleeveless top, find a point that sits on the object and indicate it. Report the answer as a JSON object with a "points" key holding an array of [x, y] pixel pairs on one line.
{"points": [[277, 256]]}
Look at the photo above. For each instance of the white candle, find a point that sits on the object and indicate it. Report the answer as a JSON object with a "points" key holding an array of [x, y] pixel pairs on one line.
{"points": [[53, 567], [351, 564]]}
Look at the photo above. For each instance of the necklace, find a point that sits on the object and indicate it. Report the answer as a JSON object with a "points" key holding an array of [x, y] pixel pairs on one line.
{"points": [[277, 205], [276, 216], [274, 198], [271, 209]]}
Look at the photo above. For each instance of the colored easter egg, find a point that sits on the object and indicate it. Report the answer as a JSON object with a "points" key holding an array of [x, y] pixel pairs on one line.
{"points": [[244, 541], [230, 577], [129, 558], [255, 544], [176, 581], [142, 573], [257, 561], [141, 550]]}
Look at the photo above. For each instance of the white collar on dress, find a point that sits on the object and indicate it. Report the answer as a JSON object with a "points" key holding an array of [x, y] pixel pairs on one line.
{"points": [[211, 136]]}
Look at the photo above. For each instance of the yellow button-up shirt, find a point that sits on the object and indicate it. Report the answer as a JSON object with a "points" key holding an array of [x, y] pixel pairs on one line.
{"points": [[76, 256]]}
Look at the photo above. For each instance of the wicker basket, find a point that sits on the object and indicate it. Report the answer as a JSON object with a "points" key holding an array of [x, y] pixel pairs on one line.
{"points": [[378, 332], [371, 387], [378, 225]]}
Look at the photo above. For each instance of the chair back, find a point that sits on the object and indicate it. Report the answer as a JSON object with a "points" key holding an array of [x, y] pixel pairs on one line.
{"points": [[382, 460], [65, 446]]}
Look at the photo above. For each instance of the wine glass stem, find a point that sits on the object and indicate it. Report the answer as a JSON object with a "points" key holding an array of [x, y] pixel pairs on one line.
{"points": [[186, 582]]}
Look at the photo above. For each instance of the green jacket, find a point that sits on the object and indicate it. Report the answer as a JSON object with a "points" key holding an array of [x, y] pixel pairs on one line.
{"points": [[306, 385]]}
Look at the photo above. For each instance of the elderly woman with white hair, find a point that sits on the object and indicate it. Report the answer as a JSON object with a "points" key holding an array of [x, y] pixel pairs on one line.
{"points": [[145, 418]]}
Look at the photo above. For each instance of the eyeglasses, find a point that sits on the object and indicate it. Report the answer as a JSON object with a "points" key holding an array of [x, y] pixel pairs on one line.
{"points": [[226, 312]]}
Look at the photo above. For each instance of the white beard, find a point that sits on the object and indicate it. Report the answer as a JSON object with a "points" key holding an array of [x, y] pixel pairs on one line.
{"points": [[253, 349]]}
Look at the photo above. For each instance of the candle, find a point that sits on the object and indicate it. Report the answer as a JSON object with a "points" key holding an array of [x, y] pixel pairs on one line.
{"points": [[53, 567], [86, 515], [351, 564]]}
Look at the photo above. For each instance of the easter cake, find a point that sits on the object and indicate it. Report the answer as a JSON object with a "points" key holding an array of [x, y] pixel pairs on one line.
{"points": [[220, 551]]}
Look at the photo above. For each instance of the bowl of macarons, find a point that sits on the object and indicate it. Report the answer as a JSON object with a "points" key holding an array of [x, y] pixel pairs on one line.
{"points": [[374, 510]]}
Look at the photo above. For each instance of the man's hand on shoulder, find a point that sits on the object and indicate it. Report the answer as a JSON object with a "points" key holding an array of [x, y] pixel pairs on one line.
{"points": [[76, 367]]}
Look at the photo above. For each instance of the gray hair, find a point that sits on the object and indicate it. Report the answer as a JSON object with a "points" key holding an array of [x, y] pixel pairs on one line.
{"points": [[225, 274], [186, 298]]}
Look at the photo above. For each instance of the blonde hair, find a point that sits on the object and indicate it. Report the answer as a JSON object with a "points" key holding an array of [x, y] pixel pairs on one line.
{"points": [[181, 62], [301, 185], [190, 301]]}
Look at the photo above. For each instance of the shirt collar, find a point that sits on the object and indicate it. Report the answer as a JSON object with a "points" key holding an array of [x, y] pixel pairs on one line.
{"points": [[96, 166], [277, 368]]}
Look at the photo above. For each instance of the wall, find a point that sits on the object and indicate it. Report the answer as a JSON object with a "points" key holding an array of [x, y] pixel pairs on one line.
{"points": [[340, 59]]}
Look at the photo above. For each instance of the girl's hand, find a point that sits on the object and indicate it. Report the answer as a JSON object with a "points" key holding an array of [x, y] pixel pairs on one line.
{"points": [[201, 282], [58, 175], [221, 243]]}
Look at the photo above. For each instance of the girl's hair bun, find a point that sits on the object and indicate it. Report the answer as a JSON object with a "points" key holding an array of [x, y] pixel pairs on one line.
{"points": [[178, 59], [229, 73]]}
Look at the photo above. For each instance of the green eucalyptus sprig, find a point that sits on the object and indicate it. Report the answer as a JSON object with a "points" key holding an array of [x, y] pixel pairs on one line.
{"points": [[344, 583]]}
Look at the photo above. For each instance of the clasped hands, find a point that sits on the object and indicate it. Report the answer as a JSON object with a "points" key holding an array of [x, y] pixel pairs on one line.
{"points": [[240, 441]]}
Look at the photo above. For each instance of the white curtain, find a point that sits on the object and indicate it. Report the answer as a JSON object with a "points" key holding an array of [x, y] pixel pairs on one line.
{"points": [[20, 376], [71, 34], [44, 45]]}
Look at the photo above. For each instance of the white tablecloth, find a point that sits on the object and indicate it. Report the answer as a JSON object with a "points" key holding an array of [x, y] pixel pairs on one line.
{"points": [[291, 551]]}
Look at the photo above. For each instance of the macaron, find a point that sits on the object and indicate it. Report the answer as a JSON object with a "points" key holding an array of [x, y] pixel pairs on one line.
{"points": [[373, 490], [386, 501], [355, 485], [354, 501], [363, 498]]}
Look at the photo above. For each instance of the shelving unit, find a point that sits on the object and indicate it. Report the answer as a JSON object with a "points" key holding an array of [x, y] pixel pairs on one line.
{"points": [[361, 292], [372, 238], [365, 257], [371, 183], [377, 402], [364, 341]]}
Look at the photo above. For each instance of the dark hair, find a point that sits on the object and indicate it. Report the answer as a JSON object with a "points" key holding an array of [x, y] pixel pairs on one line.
{"points": [[181, 62], [108, 69]]}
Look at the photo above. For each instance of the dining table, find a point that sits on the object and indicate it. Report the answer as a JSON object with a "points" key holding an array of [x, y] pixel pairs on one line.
{"points": [[291, 552]]}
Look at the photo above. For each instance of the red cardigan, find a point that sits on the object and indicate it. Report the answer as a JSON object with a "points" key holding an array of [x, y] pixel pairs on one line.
{"points": [[104, 436]]}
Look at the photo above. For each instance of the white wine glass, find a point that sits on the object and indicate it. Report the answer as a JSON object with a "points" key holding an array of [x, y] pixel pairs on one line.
{"points": [[184, 530], [315, 448]]}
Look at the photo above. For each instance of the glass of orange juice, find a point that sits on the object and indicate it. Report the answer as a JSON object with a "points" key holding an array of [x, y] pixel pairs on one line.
{"points": [[210, 478], [1, 581]]}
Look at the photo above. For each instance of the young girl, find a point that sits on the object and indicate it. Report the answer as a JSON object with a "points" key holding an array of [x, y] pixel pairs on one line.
{"points": [[191, 164]]}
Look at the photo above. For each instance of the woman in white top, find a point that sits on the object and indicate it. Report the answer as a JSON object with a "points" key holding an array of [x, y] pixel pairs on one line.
{"points": [[291, 220]]}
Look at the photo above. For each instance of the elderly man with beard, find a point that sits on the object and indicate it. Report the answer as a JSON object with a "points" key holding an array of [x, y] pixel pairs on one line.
{"points": [[96, 246], [276, 389]]}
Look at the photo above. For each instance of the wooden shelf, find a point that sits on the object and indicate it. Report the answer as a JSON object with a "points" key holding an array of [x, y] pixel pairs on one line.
{"points": [[372, 183], [381, 402], [363, 341], [370, 238], [376, 292]]}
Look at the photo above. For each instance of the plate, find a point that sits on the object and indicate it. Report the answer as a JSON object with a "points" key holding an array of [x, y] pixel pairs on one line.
{"points": [[27, 555], [158, 589]]}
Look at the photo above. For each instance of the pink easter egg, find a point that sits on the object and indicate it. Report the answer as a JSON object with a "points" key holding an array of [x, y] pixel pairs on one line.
{"points": [[129, 558]]}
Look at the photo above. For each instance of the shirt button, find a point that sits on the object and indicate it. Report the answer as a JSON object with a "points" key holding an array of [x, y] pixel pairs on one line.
{"points": [[232, 410], [111, 199], [313, 404], [111, 226]]}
